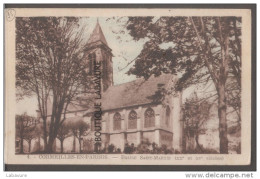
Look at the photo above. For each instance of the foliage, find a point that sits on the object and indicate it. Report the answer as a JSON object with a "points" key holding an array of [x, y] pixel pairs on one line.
{"points": [[238, 148], [195, 113], [118, 151], [146, 147], [63, 133], [203, 50], [79, 129], [50, 64], [25, 129], [129, 149], [199, 151], [111, 148], [88, 145], [234, 130]]}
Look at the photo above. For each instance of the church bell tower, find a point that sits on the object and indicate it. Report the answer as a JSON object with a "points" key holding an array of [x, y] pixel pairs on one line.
{"points": [[98, 50]]}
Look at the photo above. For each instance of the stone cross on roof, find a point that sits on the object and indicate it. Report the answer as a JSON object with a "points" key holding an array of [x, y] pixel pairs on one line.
{"points": [[97, 35]]}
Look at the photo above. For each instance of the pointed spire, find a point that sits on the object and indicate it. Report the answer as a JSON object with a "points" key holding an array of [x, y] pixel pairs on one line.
{"points": [[97, 35]]}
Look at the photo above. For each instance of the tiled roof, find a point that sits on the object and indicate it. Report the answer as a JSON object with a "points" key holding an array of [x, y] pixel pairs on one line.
{"points": [[134, 93]]}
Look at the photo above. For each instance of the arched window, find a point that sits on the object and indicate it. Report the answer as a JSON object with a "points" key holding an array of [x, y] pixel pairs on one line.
{"points": [[117, 121], [168, 116], [149, 118], [132, 120]]}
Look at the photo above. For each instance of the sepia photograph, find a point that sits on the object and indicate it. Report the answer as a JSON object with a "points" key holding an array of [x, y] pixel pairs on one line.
{"points": [[135, 87]]}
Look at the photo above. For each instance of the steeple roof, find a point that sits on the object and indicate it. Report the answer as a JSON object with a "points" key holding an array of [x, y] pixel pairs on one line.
{"points": [[97, 35]]}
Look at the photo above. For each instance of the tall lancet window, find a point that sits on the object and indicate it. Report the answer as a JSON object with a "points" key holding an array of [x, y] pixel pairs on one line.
{"points": [[149, 118], [132, 120], [168, 116], [92, 58], [117, 121]]}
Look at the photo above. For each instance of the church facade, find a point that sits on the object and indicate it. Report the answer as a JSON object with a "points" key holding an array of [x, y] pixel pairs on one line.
{"points": [[130, 112]]}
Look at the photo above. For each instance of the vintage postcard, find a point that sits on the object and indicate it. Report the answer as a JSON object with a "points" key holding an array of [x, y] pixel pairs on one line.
{"points": [[119, 86]]}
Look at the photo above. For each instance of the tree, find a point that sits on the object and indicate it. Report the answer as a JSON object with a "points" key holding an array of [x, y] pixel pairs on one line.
{"points": [[51, 65], [29, 135], [199, 49], [79, 129], [63, 133], [195, 113], [25, 126]]}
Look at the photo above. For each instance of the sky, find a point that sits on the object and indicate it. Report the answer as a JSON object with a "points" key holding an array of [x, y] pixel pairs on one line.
{"points": [[124, 50]]}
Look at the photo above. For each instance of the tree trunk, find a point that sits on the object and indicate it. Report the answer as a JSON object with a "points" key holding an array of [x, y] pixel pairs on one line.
{"points": [[39, 143], [79, 145], [52, 136], [29, 142], [197, 142], [49, 148], [21, 148], [45, 134], [53, 131], [222, 119], [21, 137], [74, 144], [61, 146]]}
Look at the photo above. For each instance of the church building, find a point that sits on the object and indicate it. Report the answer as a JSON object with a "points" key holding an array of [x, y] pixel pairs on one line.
{"points": [[130, 112]]}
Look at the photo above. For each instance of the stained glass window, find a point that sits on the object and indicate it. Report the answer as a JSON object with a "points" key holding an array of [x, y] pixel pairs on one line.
{"points": [[149, 118], [117, 121], [132, 120]]}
